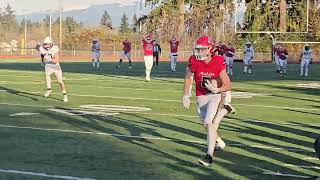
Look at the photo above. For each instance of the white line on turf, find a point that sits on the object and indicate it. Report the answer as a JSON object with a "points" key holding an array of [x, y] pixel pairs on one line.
{"points": [[311, 158], [23, 114], [145, 137], [42, 174], [300, 166], [286, 175], [172, 100], [160, 114]]}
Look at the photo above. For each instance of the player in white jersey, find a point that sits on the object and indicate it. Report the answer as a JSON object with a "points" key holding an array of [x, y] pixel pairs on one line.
{"points": [[95, 54], [305, 56], [247, 58], [51, 58]]}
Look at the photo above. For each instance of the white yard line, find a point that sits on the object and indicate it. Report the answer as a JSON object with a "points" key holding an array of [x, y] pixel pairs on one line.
{"points": [[171, 100], [311, 158], [147, 137], [42, 174], [299, 166], [287, 175], [147, 113]]}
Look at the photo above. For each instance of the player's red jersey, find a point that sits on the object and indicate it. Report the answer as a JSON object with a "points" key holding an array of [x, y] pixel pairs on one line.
{"points": [[282, 54], [275, 50], [126, 46], [230, 52], [220, 49], [148, 48], [203, 71], [174, 46]]}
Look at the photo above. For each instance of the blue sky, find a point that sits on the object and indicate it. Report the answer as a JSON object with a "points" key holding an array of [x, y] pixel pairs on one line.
{"points": [[27, 6]]}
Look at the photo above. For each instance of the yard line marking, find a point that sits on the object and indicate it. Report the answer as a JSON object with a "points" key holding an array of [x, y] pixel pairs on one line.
{"points": [[286, 175], [23, 114], [164, 100], [42, 174], [165, 114], [146, 137], [26, 105], [311, 158], [101, 133], [298, 166], [266, 147]]}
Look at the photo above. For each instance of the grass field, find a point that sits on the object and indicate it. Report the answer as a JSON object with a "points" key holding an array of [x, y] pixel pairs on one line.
{"points": [[270, 137]]}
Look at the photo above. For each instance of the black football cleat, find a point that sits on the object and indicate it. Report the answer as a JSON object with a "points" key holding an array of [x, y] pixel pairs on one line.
{"points": [[229, 108], [206, 160]]}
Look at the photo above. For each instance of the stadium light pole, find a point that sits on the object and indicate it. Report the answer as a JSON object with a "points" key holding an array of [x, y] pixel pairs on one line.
{"points": [[140, 15], [60, 32], [50, 19]]}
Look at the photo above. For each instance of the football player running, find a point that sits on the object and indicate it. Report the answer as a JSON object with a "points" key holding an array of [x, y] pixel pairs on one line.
{"points": [[211, 80], [95, 53], [126, 52], [229, 55], [282, 54], [51, 59], [247, 59], [305, 56]]}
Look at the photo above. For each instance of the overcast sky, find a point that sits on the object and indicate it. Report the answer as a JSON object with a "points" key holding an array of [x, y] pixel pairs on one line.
{"points": [[27, 6]]}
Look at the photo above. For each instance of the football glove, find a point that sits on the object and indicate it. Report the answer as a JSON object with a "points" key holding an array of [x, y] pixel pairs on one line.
{"points": [[186, 101], [212, 86]]}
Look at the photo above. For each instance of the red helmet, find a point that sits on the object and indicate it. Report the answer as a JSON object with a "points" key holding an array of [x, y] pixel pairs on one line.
{"points": [[203, 48], [148, 38]]}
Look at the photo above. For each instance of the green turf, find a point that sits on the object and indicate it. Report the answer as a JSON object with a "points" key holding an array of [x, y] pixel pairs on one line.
{"points": [[282, 115]]}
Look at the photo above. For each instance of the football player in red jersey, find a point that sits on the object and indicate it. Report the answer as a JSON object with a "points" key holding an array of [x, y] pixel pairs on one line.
{"points": [[276, 57], [126, 52], [229, 55], [282, 54], [148, 42], [220, 49], [209, 73], [174, 47]]}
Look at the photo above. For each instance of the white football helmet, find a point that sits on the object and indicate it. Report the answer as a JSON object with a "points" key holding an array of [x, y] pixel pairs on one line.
{"points": [[47, 43]]}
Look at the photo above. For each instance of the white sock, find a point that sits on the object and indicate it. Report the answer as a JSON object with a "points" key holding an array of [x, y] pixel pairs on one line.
{"points": [[245, 69], [306, 71], [212, 137], [98, 64], [221, 143]]}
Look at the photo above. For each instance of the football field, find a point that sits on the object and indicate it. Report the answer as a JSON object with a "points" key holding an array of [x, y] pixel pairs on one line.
{"points": [[117, 126]]}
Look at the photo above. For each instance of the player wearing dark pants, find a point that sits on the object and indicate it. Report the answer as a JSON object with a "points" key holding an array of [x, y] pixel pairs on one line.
{"points": [[156, 53]]}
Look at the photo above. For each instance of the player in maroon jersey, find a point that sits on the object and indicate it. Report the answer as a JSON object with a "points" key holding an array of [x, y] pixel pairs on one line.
{"points": [[126, 52]]}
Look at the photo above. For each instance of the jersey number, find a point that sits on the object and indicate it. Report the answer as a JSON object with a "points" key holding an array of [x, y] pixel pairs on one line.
{"points": [[205, 79]]}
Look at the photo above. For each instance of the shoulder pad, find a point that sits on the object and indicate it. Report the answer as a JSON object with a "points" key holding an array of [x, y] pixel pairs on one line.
{"points": [[54, 49]]}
